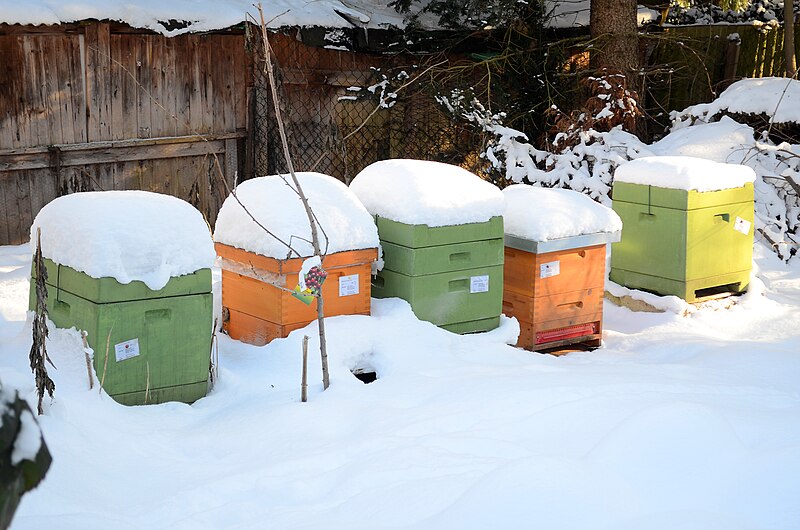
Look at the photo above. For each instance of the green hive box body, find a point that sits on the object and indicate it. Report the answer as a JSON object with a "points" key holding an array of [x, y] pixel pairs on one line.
{"points": [[683, 243], [172, 327], [451, 275]]}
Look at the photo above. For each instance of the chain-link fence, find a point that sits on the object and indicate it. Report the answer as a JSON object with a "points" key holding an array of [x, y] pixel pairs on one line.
{"points": [[335, 129]]}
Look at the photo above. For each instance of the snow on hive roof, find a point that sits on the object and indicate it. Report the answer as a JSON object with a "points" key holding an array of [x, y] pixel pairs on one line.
{"points": [[542, 214], [773, 96], [424, 192], [126, 235], [277, 206], [684, 173], [202, 15]]}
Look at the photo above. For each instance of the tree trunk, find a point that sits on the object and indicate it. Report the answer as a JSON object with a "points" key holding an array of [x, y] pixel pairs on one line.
{"points": [[788, 38], [615, 38]]}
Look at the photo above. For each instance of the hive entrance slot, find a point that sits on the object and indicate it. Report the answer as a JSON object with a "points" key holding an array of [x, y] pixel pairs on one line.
{"points": [[718, 291]]}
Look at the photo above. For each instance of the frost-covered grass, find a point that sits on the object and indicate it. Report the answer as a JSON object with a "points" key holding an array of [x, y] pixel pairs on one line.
{"points": [[678, 422]]}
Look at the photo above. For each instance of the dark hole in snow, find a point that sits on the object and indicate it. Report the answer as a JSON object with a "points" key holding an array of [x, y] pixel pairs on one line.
{"points": [[365, 375]]}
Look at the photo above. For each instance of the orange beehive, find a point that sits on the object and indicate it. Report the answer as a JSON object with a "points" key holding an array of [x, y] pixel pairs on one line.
{"points": [[557, 296], [256, 310]]}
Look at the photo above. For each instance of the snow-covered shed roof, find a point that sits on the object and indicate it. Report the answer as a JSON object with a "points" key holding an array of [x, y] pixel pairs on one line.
{"points": [[204, 15], [209, 15]]}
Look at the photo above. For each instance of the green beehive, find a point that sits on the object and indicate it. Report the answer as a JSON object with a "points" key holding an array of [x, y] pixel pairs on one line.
{"points": [[132, 270], [167, 332], [451, 275], [441, 230], [681, 242]]}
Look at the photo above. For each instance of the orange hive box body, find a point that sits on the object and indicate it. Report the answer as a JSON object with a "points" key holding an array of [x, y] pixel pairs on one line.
{"points": [[255, 311], [556, 296]]}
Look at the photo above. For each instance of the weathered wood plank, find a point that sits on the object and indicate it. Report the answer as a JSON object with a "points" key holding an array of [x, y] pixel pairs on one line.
{"points": [[42, 185], [173, 88], [193, 75], [31, 105], [143, 55], [221, 105], [130, 83], [133, 142], [5, 210], [159, 92], [207, 85], [98, 69], [184, 84], [103, 176], [118, 78], [241, 74], [24, 218], [111, 154], [77, 77], [11, 201], [11, 55], [50, 58]]}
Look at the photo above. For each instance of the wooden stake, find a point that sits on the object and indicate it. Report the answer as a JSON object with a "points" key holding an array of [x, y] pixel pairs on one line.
{"points": [[304, 384], [147, 384], [88, 360], [105, 363]]}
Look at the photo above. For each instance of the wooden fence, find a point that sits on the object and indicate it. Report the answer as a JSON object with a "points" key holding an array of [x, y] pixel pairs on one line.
{"points": [[695, 63], [100, 106]]}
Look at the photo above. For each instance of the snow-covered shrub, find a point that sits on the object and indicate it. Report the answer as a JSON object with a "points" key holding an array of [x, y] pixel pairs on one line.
{"points": [[770, 109], [590, 143], [585, 160], [610, 104], [586, 166]]}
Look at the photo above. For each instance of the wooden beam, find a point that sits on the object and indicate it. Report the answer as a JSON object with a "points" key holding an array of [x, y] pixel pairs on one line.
{"points": [[114, 151], [341, 78]]}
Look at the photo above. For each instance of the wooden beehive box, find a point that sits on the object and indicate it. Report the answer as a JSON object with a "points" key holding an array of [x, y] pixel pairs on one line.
{"points": [[555, 289], [138, 283], [555, 257], [684, 243], [450, 275], [169, 331], [256, 299]]}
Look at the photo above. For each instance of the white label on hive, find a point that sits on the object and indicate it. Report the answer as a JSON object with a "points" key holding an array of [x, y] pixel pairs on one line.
{"points": [[348, 285], [551, 268], [479, 284], [127, 349], [742, 225]]}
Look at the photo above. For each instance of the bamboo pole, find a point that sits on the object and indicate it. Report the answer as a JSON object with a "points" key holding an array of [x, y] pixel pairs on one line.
{"points": [[304, 384]]}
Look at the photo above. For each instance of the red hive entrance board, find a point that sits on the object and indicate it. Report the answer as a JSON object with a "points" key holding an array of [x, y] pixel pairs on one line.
{"points": [[556, 296]]}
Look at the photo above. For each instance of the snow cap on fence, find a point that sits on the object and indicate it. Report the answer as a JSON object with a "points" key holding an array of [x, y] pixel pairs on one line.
{"points": [[542, 214], [126, 235], [424, 192], [684, 173], [344, 223]]}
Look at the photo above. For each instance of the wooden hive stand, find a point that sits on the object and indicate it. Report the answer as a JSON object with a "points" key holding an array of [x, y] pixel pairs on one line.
{"points": [[555, 289], [256, 299]]}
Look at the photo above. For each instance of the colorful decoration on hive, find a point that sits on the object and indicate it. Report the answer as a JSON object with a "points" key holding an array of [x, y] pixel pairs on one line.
{"points": [[309, 280]]}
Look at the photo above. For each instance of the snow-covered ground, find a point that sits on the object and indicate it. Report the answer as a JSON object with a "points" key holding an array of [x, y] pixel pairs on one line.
{"points": [[689, 422]]}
